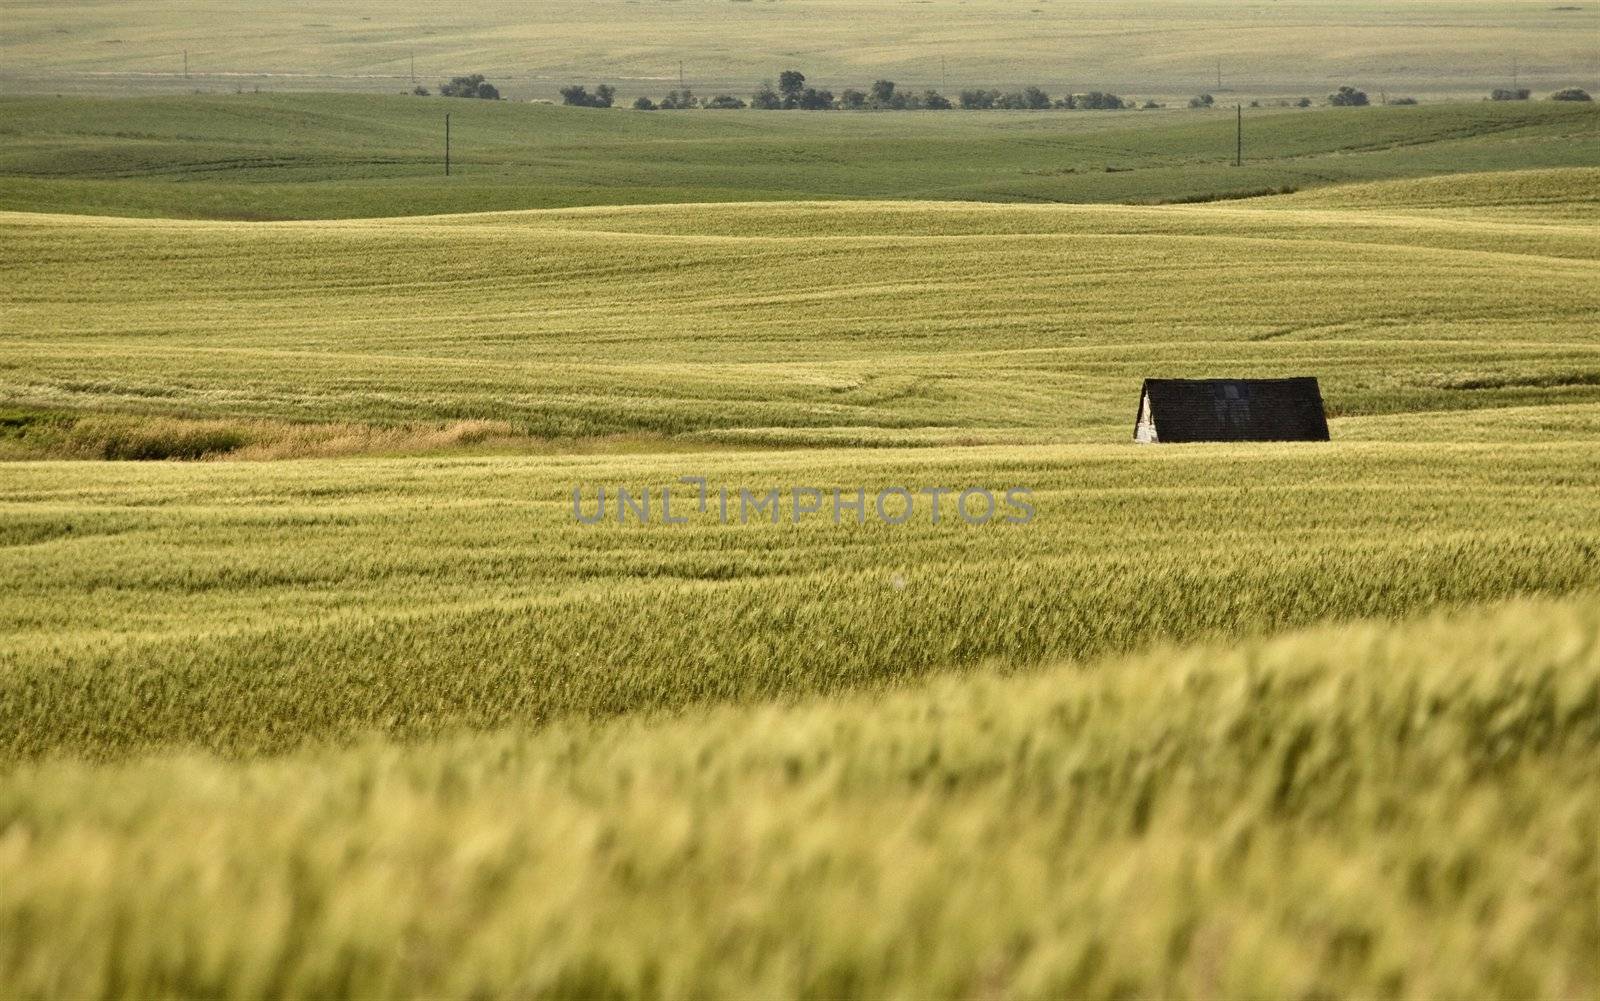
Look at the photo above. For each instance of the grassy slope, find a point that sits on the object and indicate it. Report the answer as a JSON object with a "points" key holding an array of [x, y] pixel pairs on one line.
{"points": [[1404, 46], [1356, 811], [869, 323], [315, 156]]}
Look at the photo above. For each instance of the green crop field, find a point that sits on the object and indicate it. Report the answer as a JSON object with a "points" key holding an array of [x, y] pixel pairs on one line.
{"points": [[349, 694], [274, 156]]}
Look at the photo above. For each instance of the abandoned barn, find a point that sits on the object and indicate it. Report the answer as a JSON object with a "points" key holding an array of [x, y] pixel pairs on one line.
{"points": [[1183, 410]]}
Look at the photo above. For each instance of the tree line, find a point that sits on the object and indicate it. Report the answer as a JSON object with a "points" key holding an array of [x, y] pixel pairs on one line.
{"points": [[791, 93]]}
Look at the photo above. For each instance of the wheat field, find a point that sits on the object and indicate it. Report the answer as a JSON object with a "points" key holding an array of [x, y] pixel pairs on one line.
{"points": [[340, 693]]}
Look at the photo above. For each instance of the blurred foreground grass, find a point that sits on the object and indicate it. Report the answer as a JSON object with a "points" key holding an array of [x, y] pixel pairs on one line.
{"points": [[1364, 810]]}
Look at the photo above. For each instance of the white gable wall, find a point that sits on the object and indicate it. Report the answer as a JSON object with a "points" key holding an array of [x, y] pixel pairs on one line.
{"points": [[1145, 430]]}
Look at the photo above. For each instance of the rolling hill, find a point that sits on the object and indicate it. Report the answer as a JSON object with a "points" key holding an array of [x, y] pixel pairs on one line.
{"points": [[274, 156]]}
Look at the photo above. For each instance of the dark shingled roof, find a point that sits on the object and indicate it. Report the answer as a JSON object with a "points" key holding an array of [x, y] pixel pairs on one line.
{"points": [[1236, 409]]}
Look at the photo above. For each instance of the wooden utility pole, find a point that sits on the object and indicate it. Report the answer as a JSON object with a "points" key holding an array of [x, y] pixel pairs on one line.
{"points": [[413, 65], [681, 85], [1219, 74], [944, 78], [447, 144], [1238, 135], [186, 64]]}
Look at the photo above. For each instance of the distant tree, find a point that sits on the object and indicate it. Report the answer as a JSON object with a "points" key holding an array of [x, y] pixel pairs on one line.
{"points": [[1067, 103], [852, 99], [1202, 101], [643, 104], [812, 99], [1099, 100], [791, 84], [1151, 106], [1571, 94], [1035, 99], [420, 90], [766, 97], [935, 101], [1507, 94], [882, 94], [724, 102], [469, 86], [1304, 102], [679, 100], [1010, 101], [1349, 97], [979, 100], [603, 95]]}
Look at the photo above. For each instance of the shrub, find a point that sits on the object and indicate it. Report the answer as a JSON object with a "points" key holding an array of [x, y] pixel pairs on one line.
{"points": [[1403, 100], [979, 100], [882, 94], [679, 100], [1035, 99], [1348, 97], [852, 99], [812, 99], [935, 101], [1150, 105], [724, 102], [643, 104], [1097, 100], [1571, 94], [766, 97], [1304, 102], [1507, 94], [469, 86], [1202, 101], [579, 97], [420, 90]]}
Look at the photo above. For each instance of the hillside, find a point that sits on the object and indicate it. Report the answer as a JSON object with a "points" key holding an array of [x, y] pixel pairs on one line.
{"points": [[807, 326], [275, 156], [1419, 47], [818, 323]]}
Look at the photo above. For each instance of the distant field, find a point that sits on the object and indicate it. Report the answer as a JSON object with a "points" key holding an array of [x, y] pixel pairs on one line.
{"points": [[318, 156], [1175, 49]]}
